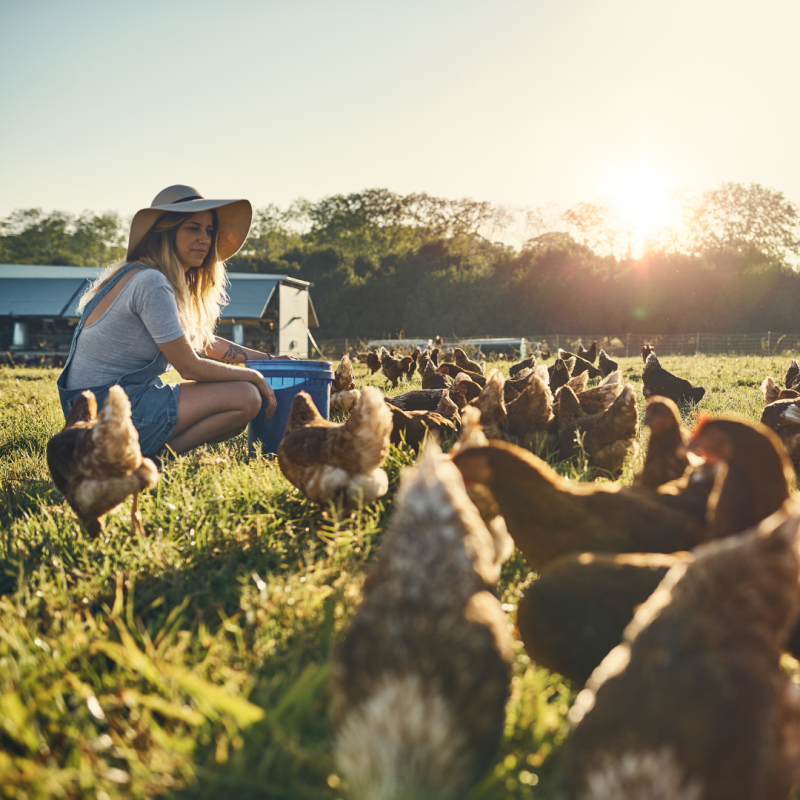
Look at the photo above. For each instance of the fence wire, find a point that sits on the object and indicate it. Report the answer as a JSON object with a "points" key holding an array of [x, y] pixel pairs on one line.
{"points": [[624, 344]]}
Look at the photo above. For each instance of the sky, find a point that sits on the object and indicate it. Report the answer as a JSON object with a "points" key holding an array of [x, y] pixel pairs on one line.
{"points": [[518, 102]]}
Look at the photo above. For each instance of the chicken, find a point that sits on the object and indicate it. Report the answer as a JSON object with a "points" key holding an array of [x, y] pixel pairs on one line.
{"points": [[666, 458], [417, 400], [792, 374], [657, 381], [756, 478], [421, 680], [344, 394], [374, 361], [465, 364], [606, 364], [412, 427], [448, 409], [575, 613], [96, 463], [600, 397], [589, 355], [453, 371], [607, 437], [783, 417], [773, 392], [395, 368], [560, 373], [581, 364], [694, 703], [431, 378], [528, 363], [530, 414], [464, 387], [549, 516], [415, 354], [339, 463], [490, 402], [646, 350], [435, 356], [770, 390], [577, 383]]}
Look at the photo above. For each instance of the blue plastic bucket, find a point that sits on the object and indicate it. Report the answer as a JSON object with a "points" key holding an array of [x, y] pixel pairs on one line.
{"points": [[287, 378]]}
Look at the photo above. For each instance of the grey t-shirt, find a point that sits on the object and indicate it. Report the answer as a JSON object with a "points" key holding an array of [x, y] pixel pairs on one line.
{"points": [[143, 315]]}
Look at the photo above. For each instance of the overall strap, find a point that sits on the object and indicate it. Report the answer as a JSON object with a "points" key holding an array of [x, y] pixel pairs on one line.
{"points": [[90, 306]]}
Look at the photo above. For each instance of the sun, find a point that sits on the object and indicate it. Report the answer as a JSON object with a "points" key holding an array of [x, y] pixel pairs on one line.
{"points": [[643, 205]]}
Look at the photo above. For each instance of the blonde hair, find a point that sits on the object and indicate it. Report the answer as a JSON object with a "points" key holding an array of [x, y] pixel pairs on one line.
{"points": [[199, 292]]}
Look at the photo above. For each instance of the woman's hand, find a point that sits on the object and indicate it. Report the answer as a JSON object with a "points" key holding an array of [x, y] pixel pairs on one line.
{"points": [[265, 390]]}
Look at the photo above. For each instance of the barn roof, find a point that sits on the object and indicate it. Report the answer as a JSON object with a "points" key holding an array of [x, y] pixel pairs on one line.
{"points": [[28, 290]]}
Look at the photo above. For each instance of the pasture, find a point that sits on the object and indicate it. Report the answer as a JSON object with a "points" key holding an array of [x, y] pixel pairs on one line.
{"points": [[194, 662]]}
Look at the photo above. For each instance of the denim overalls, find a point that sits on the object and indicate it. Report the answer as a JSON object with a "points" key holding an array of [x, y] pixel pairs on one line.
{"points": [[154, 404]]}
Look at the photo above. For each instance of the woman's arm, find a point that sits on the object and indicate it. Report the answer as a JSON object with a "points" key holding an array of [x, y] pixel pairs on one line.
{"points": [[192, 367], [223, 350]]}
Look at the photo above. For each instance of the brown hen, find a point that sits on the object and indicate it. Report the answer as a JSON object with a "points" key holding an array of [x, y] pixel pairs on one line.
{"points": [[783, 417], [560, 373], [339, 463], [607, 437], [395, 368], [549, 516], [344, 394], [95, 461], [421, 679], [412, 427], [466, 364], [581, 364], [589, 355], [607, 365], [667, 457], [694, 703]]}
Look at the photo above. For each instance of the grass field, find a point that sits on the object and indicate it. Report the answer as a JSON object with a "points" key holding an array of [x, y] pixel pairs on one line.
{"points": [[194, 661]]}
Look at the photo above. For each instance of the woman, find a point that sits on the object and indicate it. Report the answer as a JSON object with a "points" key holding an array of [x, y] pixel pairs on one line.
{"points": [[159, 307]]}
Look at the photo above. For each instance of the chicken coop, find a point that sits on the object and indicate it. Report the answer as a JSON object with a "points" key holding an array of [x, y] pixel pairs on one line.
{"points": [[38, 311]]}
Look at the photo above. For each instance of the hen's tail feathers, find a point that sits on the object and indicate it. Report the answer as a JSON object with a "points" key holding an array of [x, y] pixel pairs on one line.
{"points": [[544, 374], [367, 430], [612, 379], [84, 409], [579, 382], [472, 434], [115, 440], [303, 412], [625, 411]]}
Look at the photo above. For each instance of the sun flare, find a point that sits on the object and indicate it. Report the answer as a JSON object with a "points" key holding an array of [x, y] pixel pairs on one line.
{"points": [[643, 204]]}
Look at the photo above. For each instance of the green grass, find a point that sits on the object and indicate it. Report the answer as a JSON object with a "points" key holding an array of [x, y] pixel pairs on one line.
{"points": [[194, 662]]}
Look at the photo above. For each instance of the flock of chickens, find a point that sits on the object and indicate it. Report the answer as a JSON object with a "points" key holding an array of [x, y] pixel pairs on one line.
{"points": [[671, 600]]}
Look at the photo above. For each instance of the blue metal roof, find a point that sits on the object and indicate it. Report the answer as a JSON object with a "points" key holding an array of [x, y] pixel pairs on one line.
{"points": [[48, 291], [248, 298], [40, 298]]}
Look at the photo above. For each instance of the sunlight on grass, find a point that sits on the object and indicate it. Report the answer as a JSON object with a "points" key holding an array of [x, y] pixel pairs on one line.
{"points": [[195, 660]]}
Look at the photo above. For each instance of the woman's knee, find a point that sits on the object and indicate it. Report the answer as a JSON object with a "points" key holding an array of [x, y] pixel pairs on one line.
{"points": [[251, 401]]}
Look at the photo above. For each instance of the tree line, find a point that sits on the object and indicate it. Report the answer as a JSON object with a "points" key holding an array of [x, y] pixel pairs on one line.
{"points": [[384, 263]]}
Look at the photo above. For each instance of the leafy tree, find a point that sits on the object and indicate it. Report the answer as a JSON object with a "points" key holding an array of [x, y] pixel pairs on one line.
{"points": [[739, 217]]}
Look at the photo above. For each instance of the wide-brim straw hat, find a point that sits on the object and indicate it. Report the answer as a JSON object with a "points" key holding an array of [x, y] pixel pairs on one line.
{"points": [[233, 217]]}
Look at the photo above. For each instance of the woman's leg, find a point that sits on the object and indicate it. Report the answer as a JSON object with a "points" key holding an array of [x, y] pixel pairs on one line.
{"points": [[209, 413]]}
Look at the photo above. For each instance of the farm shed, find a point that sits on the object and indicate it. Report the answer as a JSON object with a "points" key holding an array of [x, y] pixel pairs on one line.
{"points": [[38, 310]]}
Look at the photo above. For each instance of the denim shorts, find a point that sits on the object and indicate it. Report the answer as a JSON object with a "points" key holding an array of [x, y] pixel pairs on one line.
{"points": [[154, 411]]}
